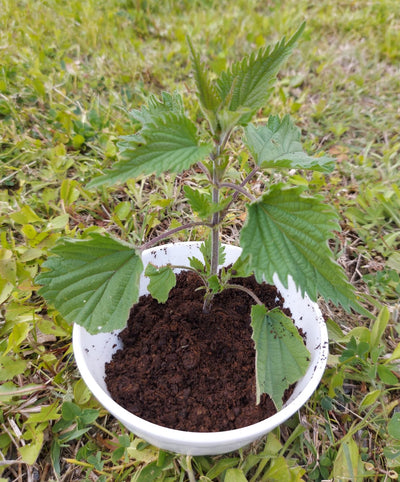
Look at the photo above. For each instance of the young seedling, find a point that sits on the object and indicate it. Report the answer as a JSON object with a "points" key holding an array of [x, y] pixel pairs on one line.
{"points": [[95, 281]]}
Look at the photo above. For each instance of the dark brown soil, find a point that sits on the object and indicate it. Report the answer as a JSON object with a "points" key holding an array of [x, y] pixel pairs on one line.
{"points": [[187, 370]]}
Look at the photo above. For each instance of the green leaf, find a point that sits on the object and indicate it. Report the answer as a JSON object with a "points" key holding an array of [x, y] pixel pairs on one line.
{"points": [[228, 119], [162, 280], [157, 107], [30, 452], [199, 202], [170, 144], [202, 204], [379, 327], [278, 470], [207, 94], [81, 392], [73, 434], [287, 234], [220, 466], [281, 356], [277, 144], [387, 376], [70, 411], [395, 355], [394, 426], [92, 282], [205, 249], [89, 415], [55, 452], [47, 413], [214, 284], [9, 390], [196, 264], [18, 335], [241, 268], [370, 398], [235, 475], [25, 216], [348, 464], [11, 367], [149, 473], [8, 266], [248, 83]]}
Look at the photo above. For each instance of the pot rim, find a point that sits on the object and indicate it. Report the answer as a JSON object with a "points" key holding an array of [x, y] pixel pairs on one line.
{"points": [[203, 438]]}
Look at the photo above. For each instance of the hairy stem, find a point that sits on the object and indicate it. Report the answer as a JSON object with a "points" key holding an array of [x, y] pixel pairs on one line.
{"points": [[169, 233], [238, 188], [246, 290], [203, 168], [215, 236], [215, 225], [239, 191]]}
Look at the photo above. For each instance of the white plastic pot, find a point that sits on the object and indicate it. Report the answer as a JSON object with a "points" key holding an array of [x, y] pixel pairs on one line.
{"points": [[93, 351]]}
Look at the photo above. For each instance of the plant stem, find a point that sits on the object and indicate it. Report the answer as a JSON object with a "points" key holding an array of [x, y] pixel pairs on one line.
{"points": [[238, 188], [203, 168], [246, 290], [215, 217], [189, 469], [169, 233], [215, 228]]}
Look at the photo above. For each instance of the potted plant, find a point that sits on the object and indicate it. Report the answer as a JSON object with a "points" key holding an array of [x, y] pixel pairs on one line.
{"points": [[94, 281]]}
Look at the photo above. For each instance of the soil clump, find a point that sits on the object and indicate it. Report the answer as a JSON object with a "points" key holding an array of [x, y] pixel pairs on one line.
{"points": [[188, 370]]}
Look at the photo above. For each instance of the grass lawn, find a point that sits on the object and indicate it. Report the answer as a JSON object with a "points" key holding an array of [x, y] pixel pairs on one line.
{"points": [[70, 72]]}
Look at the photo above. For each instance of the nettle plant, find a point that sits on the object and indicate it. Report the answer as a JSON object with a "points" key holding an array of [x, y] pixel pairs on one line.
{"points": [[95, 281]]}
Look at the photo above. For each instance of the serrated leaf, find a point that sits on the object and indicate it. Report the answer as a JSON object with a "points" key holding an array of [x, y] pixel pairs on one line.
{"points": [[156, 107], [227, 119], [170, 145], [202, 204], [281, 356], [162, 280], [287, 233], [278, 145], [241, 268], [92, 282], [199, 202], [214, 284], [205, 249], [196, 264], [206, 91], [248, 83]]}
